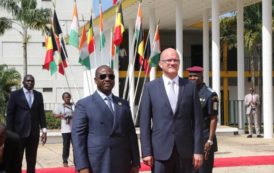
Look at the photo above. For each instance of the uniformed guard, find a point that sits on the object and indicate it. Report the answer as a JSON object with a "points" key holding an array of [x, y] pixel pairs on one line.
{"points": [[209, 103]]}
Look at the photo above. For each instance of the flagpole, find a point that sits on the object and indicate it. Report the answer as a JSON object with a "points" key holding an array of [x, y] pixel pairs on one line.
{"points": [[134, 58], [140, 70]]}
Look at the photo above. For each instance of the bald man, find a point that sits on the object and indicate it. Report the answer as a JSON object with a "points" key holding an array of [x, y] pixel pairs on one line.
{"points": [[171, 120]]}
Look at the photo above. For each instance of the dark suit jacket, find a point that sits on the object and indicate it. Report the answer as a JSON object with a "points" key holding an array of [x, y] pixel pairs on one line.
{"points": [[103, 141], [24, 120], [11, 160], [183, 129]]}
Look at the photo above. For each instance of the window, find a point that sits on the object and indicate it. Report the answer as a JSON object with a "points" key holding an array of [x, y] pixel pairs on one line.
{"points": [[47, 89]]}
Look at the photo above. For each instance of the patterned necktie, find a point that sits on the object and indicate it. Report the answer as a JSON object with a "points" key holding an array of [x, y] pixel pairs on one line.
{"points": [[108, 99], [29, 98], [172, 97]]}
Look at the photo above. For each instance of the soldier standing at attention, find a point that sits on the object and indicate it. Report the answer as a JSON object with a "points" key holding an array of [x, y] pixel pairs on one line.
{"points": [[209, 104]]}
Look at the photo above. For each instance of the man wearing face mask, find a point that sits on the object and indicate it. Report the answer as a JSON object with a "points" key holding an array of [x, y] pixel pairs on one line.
{"points": [[25, 117], [209, 103], [103, 134]]}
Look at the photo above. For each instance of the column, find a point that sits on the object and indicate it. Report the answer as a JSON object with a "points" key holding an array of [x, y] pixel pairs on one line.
{"points": [[240, 65], [152, 26], [267, 111], [179, 34], [205, 47], [131, 67], [216, 51]]}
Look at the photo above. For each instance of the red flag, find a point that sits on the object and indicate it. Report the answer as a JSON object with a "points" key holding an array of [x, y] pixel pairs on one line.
{"points": [[119, 26], [114, 2]]}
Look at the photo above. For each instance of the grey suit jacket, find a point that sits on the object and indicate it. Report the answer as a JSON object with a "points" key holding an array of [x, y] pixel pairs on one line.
{"points": [[22, 119], [103, 141], [183, 129]]}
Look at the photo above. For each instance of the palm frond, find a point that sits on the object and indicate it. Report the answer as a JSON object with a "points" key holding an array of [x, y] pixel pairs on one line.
{"points": [[5, 24]]}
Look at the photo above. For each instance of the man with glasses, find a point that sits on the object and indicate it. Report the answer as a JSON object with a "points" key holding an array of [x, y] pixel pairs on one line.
{"points": [[103, 133], [171, 120], [209, 103]]}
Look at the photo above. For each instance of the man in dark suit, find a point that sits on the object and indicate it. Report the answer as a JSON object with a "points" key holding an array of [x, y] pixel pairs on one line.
{"points": [[209, 102], [25, 117], [103, 134], [171, 121], [9, 148]]}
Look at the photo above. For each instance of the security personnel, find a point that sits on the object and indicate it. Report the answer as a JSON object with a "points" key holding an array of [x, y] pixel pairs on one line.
{"points": [[209, 103]]}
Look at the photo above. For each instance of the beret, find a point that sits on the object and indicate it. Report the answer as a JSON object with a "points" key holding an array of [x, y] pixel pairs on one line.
{"points": [[195, 69]]}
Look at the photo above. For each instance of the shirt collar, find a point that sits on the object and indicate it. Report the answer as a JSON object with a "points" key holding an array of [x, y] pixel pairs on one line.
{"points": [[166, 79], [103, 95], [26, 91]]}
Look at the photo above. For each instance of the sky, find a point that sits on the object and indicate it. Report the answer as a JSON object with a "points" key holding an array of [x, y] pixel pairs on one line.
{"points": [[106, 4]]}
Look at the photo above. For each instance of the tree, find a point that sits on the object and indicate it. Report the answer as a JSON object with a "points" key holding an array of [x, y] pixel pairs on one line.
{"points": [[9, 77], [25, 16]]}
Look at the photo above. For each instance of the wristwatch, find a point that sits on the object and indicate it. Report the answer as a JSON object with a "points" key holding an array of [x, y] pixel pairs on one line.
{"points": [[210, 142]]}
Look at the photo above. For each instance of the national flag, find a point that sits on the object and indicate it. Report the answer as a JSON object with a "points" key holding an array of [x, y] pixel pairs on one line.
{"points": [[114, 2], [112, 52], [146, 57], [138, 24], [50, 44], [91, 41], [119, 26], [61, 53], [102, 36], [155, 53], [84, 53], [141, 46], [74, 28]]}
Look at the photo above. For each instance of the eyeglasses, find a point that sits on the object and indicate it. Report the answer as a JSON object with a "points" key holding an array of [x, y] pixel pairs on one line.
{"points": [[169, 61], [104, 76]]}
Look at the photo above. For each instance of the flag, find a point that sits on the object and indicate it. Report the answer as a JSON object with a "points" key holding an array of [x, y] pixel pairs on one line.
{"points": [[141, 46], [91, 41], [119, 26], [155, 53], [74, 28], [84, 53], [146, 57], [102, 36], [138, 24], [50, 44], [114, 2], [61, 54], [112, 52]]}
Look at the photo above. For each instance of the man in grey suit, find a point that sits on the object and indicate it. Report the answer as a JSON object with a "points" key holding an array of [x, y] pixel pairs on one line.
{"points": [[25, 117], [171, 121], [103, 133]]}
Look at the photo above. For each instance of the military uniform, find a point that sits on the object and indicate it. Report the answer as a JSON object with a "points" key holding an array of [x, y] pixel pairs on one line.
{"points": [[209, 104]]}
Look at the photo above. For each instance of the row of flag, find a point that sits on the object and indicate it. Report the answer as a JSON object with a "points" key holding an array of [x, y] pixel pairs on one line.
{"points": [[56, 54]]}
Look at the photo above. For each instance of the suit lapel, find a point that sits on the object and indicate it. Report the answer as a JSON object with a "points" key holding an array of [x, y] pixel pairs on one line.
{"points": [[163, 92], [117, 111], [181, 90], [23, 97]]}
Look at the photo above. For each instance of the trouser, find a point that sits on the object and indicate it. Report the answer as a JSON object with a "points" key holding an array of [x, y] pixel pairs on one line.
{"points": [[253, 117], [175, 164], [66, 146], [208, 164], [29, 145]]}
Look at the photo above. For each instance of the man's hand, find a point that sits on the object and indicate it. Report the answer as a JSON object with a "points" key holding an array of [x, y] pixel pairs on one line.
{"points": [[44, 138], [134, 169], [85, 170], [197, 161], [148, 160], [207, 148]]}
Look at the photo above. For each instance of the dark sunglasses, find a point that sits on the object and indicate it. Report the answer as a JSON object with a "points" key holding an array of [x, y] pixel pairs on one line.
{"points": [[104, 76]]}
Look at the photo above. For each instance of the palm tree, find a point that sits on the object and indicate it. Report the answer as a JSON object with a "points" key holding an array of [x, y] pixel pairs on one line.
{"points": [[9, 78], [253, 37], [25, 16]]}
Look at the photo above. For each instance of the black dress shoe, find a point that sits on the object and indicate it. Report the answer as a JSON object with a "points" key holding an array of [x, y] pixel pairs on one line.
{"points": [[259, 136], [249, 136]]}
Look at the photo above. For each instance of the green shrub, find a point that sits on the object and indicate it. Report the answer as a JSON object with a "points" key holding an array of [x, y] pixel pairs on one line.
{"points": [[52, 122]]}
